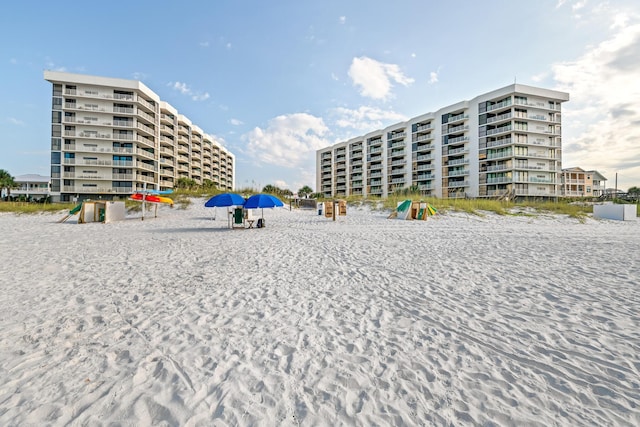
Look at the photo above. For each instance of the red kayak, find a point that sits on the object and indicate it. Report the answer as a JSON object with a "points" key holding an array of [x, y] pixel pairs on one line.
{"points": [[152, 198]]}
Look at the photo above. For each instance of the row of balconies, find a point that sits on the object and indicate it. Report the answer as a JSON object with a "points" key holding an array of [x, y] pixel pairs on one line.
{"points": [[111, 96], [538, 104]]}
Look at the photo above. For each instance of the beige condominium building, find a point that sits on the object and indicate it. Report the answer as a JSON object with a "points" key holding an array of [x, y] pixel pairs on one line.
{"points": [[505, 143], [576, 182], [112, 137]]}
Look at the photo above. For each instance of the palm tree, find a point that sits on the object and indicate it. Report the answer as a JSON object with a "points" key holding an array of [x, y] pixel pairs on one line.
{"points": [[6, 181], [271, 189], [304, 191]]}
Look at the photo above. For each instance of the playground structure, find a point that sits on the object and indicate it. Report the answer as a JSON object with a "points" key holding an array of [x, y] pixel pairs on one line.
{"points": [[97, 211], [409, 209]]}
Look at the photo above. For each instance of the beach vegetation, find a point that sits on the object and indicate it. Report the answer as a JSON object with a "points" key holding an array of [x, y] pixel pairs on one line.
{"points": [[305, 191], [6, 182], [24, 207], [186, 190]]}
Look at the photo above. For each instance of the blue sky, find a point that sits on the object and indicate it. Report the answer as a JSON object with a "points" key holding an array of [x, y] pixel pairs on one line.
{"points": [[275, 81]]}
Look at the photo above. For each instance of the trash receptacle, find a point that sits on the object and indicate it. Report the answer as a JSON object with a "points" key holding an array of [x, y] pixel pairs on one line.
{"points": [[320, 209]]}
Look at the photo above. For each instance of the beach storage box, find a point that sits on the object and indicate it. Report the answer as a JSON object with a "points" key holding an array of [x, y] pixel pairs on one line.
{"points": [[342, 207], [328, 209], [615, 211], [102, 211], [114, 211]]}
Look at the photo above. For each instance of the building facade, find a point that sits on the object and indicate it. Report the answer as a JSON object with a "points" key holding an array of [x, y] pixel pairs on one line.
{"points": [[507, 142], [30, 187], [577, 182], [113, 137]]}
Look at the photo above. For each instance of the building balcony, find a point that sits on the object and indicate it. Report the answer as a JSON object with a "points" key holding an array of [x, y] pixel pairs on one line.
{"points": [[146, 154], [79, 189], [499, 118], [454, 129], [145, 166], [146, 141], [145, 129], [456, 140], [499, 130], [457, 118]]}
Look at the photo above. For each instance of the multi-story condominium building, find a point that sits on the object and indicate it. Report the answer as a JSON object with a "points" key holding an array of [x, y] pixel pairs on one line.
{"points": [[577, 182], [505, 142], [112, 137]]}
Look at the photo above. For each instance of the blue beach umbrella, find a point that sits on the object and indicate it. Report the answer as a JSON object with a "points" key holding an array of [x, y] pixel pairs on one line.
{"points": [[225, 200], [262, 201]]}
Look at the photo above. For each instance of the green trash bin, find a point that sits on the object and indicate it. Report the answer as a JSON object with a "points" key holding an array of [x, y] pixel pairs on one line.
{"points": [[101, 215]]}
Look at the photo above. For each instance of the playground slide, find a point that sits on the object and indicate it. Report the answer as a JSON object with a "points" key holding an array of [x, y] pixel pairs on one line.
{"points": [[151, 198], [404, 209], [72, 212]]}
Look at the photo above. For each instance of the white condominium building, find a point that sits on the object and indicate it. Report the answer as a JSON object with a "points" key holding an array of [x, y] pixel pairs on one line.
{"points": [[505, 143], [111, 137]]}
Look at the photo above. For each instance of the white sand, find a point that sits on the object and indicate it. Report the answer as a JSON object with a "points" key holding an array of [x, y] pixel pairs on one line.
{"points": [[178, 320]]}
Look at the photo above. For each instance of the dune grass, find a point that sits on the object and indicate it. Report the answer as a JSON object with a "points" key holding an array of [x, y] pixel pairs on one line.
{"points": [[35, 208], [183, 199], [479, 206]]}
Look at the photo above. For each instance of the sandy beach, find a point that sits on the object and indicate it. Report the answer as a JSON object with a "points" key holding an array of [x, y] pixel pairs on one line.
{"points": [[460, 320]]}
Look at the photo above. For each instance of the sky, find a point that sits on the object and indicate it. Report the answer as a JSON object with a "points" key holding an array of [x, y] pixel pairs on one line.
{"points": [[276, 81]]}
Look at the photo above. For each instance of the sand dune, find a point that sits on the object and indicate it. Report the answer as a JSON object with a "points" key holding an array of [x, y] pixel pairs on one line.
{"points": [[459, 320]]}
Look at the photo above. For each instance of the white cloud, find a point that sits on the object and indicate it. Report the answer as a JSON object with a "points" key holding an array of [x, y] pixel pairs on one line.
{"points": [[184, 89], [433, 77], [139, 76], [289, 140], [280, 183], [375, 78], [365, 118], [181, 87], [236, 122], [602, 120], [342, 19], [201, 96], [539, 77], [204, 44], [15, 121]]}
